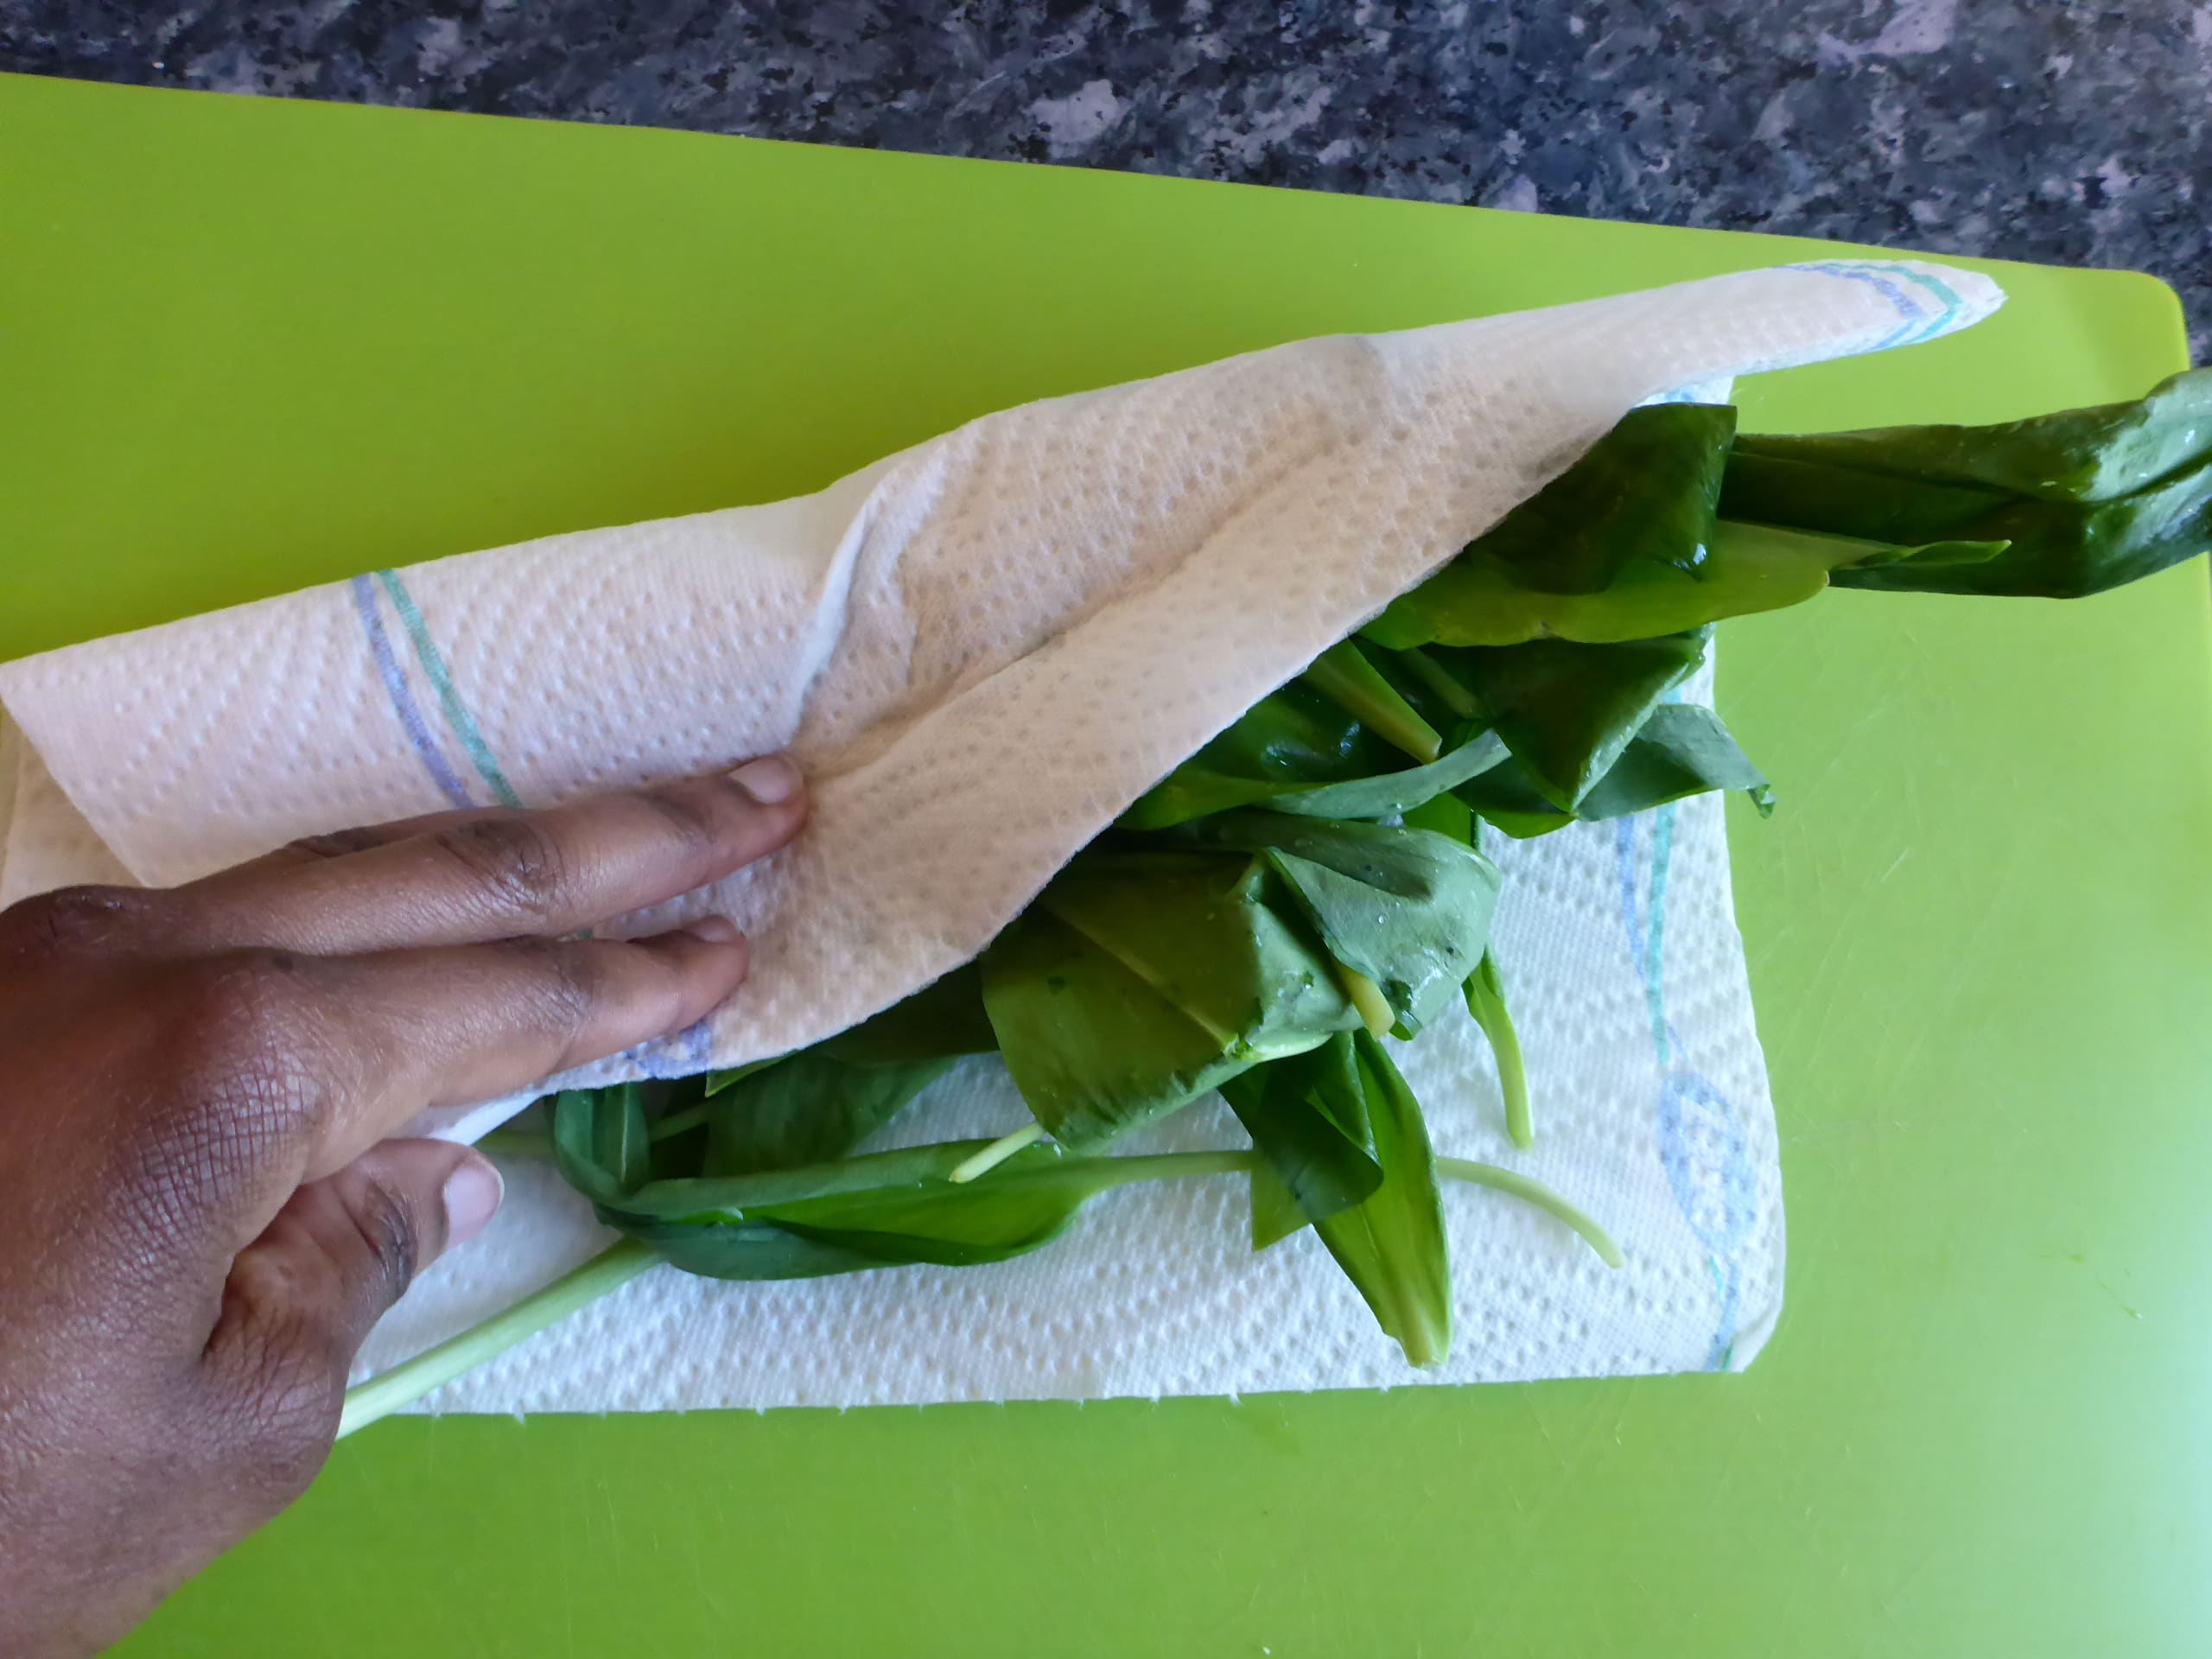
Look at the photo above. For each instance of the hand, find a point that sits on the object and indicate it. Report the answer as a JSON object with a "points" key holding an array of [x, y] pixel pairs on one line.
{"points": [[200, 1215]]}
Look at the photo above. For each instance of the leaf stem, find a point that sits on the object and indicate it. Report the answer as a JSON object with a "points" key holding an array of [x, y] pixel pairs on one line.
{"points": [[1534, 1192], [1175, 1166], [1441, 680], [994, 1155], [408, 1381], [1748, 536], [1375, 1010], [675, 1122], [614, 1267], [1486, 1001], [1344, 673]]}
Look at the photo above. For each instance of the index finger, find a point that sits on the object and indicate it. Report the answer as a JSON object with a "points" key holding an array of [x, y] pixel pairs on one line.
{"points": [[474, 877]]}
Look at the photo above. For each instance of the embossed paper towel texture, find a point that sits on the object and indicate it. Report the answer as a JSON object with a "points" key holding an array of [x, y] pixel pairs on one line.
{"points": [[940, 638]]}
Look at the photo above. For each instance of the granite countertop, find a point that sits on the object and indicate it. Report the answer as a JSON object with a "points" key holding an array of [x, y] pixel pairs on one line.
{"points": [[2063, 131]]}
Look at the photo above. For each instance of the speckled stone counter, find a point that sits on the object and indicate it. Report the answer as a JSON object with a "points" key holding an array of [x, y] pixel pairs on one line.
{"points": [[2066, 132]]}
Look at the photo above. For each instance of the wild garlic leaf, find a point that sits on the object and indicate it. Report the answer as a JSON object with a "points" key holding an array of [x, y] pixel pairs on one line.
{"points": [[1293, 740], [1409, 909], [1307, 1116], [1567, 711], [808, 1109], [1477, 601], [2058, 504], [1643, 493], [1679, 750], [944, 1020], [1139, 981], [1392, 1244], [2084, 499], [882, 1210], [600, 1140], [1392, 794]]}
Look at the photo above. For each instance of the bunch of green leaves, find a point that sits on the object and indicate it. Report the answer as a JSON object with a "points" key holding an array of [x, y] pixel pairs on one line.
{"points": [[1312, 880], [2057, 505], [1151, 971]]}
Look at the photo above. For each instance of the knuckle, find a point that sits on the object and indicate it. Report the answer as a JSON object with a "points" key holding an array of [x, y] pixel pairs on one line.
{"points": [[568, 983], [246, 1004], [389, 1234], [249, 1057], [72, 921], [517, 860], [337, 843], [697, 818]]}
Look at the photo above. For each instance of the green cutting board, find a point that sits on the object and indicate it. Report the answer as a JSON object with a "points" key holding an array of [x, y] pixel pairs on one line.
{"points": [[250, 345]]}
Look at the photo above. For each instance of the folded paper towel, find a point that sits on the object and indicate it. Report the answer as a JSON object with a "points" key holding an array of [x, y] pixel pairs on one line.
{"points": [[982, 650], [1652, 1111]]}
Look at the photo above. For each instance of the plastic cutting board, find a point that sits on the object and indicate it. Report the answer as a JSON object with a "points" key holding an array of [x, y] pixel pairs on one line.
{"points": [[253, 344]]}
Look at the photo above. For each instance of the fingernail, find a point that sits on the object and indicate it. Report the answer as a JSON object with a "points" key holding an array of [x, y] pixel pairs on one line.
{"points": [[771, 780], [714, 930], [472, 1197]]}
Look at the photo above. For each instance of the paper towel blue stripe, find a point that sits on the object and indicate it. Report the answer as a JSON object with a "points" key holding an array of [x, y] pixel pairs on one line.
{"points": [[1919, 319], [396, 691], [1663, 848], [433, 670], [1703, 1148]]}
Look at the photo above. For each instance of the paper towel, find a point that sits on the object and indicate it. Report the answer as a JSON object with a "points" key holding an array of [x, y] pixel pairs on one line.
{"points": [[1611, 934], [982, 650]]}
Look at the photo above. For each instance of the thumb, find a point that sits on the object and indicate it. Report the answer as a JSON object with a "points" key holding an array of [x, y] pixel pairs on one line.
{"points": [[302, 1297]]}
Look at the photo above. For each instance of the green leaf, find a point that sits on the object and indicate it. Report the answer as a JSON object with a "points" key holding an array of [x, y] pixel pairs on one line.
{"points": [[1285, 754], [1138, 982], [887, 1210], [1392, 1246], [1681, 749], [807, 1109], [700, 1199], [1508, 799], [1291, 742], [1620, 546], [713, 1082], [1644, 492], [1307, 1115], [1391, 794], [1447, 815], [755, 1250], [1408, 908], [1567, 711], [600, 1140], [2060, 504], [942, 1020], [1477, 601], [1275, 1212], [2084, 500]]}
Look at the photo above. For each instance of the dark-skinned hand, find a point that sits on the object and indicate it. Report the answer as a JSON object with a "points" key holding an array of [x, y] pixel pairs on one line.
{"points": [[201, 1213]]}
